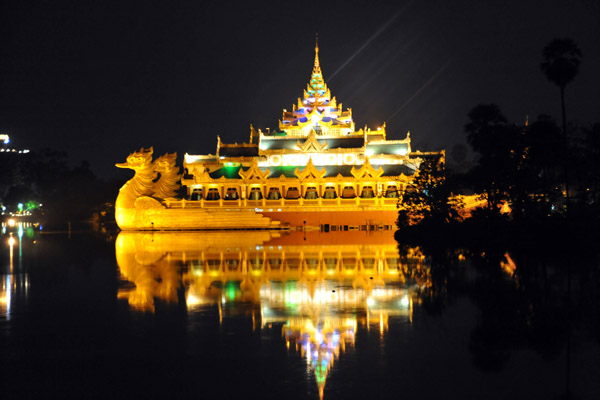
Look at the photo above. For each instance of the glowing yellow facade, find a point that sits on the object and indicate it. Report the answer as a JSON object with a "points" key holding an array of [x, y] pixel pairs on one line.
{"points": [[315, 170]]}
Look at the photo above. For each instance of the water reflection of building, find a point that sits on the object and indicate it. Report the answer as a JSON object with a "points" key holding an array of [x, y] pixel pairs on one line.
{"points": [[317, 286]]}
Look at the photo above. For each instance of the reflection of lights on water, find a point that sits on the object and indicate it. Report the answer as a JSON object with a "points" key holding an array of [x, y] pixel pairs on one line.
{"points": [[335, 337], [405, 301], [11, 241], [11, 222], [192, 300], [370, 302]]}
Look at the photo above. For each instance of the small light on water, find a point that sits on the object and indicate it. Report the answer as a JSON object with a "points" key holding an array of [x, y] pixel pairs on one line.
{"points": [[405, 301]]}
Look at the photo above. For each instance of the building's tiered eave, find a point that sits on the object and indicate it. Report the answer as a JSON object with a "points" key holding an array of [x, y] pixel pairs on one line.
{"points": [[316, 150]]}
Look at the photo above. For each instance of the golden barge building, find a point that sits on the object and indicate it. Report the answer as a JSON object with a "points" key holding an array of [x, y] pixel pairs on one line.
{"points": [[316, 169]]}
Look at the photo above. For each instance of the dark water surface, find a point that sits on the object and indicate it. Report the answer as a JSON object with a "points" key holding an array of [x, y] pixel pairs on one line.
{"points": [[260, 315]]}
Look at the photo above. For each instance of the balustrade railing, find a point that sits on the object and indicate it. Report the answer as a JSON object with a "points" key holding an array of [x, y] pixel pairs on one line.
{"points": [[221, 203]]}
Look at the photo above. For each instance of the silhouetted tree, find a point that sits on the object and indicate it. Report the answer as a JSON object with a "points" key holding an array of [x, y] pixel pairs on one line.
{"points": [[587, 176], [561, 63], [536, 189], [490, 135], [428, 197]]}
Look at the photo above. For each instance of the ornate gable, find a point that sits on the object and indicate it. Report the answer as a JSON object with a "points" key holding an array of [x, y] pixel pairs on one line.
{"points": [[311, 144], [254, 173], [366, 170], [201, 174], [310, 171]]}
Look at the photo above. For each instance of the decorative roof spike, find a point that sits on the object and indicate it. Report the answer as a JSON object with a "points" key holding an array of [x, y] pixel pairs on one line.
{"points": [[316, 80], [317, 54]]}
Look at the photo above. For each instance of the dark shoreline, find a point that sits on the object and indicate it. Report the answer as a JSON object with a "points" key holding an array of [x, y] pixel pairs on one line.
{"points": [[558, 235]]}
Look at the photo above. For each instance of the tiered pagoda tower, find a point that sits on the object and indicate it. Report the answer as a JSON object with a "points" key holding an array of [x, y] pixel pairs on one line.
{"points": [[316, 169]]}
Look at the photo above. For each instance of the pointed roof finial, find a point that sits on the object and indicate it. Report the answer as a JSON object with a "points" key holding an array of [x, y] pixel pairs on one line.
{"points": [[317, 89], [317, 52]]}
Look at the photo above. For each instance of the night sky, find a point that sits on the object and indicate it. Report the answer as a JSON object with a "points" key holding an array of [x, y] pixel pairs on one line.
{"points": [[102, 79]]}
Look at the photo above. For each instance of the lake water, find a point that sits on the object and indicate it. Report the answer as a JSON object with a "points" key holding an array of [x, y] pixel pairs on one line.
{"points": [[304, 315]]}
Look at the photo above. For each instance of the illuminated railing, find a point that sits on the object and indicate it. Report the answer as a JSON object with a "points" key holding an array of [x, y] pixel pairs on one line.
{"points": [[283, 202]]}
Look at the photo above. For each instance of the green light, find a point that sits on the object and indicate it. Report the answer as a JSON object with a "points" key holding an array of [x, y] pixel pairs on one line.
{"points": [[231, 290], [320, 373]]}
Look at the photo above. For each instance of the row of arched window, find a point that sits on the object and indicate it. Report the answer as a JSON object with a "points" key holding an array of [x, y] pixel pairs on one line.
{"points": [[292, 193]]}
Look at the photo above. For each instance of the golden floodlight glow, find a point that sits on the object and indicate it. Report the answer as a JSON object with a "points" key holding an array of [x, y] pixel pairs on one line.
{"points": [[316, 145]]}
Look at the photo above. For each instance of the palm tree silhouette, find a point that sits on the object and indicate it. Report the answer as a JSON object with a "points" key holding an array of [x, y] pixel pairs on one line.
{"points": [[561, 63]]}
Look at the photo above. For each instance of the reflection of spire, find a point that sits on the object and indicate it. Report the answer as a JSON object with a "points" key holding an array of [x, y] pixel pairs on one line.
{"points": [[320, 340], [302, 280]]}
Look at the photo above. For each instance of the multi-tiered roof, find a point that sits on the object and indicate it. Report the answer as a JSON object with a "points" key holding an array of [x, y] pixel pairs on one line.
{"points": [[317, 111], [316, 130]]}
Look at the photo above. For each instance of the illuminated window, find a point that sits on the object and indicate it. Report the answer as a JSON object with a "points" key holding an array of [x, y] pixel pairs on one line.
{"points": [[293, 263], [330, 193], [232, 264], [348, 192], [213, 194], [311, 193], [292, 193], [231, 194], [275, 263], [274, 194], [349, 262], [196, 194], [255, 194], [312, 262], [256, 263], [391, 192], [368, 262], [367, 192], [393, 263], [330, 262], [213, 264]]}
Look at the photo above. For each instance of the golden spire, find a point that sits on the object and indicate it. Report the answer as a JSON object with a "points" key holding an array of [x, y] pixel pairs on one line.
{"points": [[317, 67], [317, 87]]}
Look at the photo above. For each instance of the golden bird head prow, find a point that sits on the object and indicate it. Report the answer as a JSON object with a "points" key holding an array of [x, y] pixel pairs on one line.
{"points": [[138, 160]]}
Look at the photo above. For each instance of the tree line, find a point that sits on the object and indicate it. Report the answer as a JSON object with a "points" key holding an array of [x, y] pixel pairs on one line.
{"points": [[51, 190], [538, 169]]}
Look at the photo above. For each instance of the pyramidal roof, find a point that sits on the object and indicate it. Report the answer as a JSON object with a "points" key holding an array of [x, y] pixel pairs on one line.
{"points": [[317, 110], [317, 86]]}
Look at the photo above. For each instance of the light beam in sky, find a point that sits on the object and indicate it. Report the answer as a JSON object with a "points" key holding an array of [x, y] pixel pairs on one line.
{"points": [[442, 69], [373, 37]]}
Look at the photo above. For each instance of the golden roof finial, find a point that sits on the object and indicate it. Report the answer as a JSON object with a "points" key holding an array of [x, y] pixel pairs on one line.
{"points": [[317, 53], [317, 86]]}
